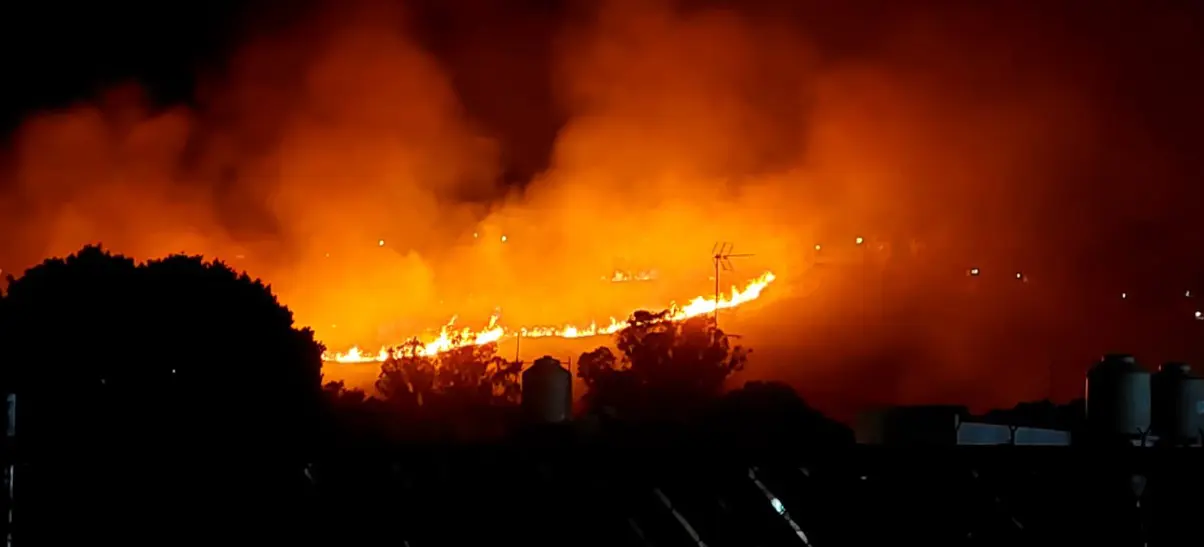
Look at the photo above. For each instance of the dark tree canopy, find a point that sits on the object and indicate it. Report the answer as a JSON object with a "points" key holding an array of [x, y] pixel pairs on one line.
{"points": [[179, 345], [661, 366], [155, 390], [468, 383]]}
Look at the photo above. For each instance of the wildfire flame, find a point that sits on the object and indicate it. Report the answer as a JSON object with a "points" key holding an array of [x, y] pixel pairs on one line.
{"points": [[620, 276], [450, 338]]}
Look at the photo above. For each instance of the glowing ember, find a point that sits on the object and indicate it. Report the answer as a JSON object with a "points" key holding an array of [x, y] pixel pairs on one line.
{"points": [[448, 335]]}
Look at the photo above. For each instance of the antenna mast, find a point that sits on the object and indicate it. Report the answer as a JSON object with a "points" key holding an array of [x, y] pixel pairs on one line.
{"points": [[721, 255]]}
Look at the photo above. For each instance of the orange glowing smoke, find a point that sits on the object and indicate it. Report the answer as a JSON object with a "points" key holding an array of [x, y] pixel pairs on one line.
{"points": [[332, 130], [450, 338]]}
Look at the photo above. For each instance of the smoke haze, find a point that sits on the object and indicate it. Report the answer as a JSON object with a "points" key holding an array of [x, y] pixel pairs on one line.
{"points": [[367, 158]]}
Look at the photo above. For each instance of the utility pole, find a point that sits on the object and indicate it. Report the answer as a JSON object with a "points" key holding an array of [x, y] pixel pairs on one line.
{"points": [[721, 255], [518, 345]]}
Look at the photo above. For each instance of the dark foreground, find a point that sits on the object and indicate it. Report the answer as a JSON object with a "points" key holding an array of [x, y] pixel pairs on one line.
{"points": [[550, 490]]}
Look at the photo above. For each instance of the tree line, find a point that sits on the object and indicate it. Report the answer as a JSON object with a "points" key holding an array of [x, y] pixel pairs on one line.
{"points": [[183, 375], [216, 354], [657, 369]]}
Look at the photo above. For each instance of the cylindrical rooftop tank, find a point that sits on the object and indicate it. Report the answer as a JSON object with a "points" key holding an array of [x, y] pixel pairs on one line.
{"points": [[1178, 397], [1118, 397], [547, 391]]}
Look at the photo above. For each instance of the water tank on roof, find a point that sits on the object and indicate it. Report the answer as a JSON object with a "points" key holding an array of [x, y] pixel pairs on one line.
{"points": [[1118, 398], [547, 391], [1178, 398]]}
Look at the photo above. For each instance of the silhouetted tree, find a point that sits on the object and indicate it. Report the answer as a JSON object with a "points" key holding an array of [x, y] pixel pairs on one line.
{"points": [[407, 378], [176, 376], [662, 366], [468, 382]]}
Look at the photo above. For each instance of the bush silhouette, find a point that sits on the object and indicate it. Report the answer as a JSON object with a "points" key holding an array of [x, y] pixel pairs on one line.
{"points": [[663, 368], [177, 375], [467, 384]]}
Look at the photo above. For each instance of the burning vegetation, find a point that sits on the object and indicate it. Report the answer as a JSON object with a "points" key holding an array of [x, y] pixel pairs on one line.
{"points": [[450, 338]]}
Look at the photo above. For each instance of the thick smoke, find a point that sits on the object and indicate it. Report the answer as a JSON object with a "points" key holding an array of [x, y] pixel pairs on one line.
{"points": [[312, 146], [366, 168]]}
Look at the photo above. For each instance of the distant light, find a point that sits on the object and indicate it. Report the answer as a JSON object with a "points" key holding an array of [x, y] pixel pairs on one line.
{"points": [[973, 271], [1187, 294], [1019, 275], [860, 240], [817, 247], [475, 235], [777, 506], [173, 371], [380, 243], [1124, 295], [327, 255], [504, 238], [1199, 315]]}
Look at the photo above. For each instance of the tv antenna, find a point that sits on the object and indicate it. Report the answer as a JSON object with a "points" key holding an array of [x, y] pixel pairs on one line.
{"points": [[721, 255]]}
